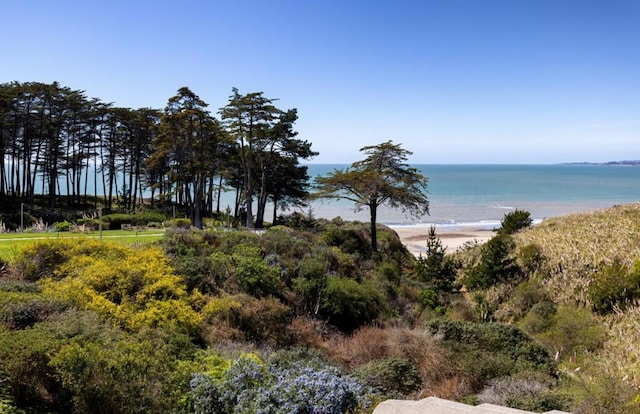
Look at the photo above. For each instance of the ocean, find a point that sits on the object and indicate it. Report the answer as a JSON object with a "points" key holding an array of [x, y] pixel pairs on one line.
{"points": [[480, 195], [464, 195]]}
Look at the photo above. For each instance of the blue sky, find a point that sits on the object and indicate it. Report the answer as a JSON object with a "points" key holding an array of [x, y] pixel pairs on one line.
{"points": [[454, 81]]}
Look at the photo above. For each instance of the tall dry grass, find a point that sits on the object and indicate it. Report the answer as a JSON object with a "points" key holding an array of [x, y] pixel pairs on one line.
{"points": [[621, 353], [575, 245], [418, 346]]}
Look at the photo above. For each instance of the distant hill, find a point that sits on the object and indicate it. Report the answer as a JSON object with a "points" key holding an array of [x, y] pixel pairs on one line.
{"points": [[633, 163]]}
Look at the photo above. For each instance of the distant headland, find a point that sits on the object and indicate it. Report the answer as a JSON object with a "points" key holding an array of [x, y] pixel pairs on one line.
{"points": [[635, 163]]}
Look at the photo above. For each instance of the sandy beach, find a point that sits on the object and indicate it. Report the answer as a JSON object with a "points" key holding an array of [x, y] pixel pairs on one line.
{"points": [[415, 237]]}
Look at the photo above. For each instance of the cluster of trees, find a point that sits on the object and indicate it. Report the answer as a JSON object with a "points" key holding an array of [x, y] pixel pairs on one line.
{"points": [[56, 141]]}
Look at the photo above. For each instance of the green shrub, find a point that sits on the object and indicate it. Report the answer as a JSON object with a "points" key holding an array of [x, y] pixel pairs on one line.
{"points": [[605, 394], [573, 332], [11, 285], [525, 296], [483, 308], [311, 283], [19, 314], [540, 318], [148, 217], [116, 220], [121, 374], [288, 357], [490, 350], [394, 376], [437, 269], [24, 363], [389, 272], [90, 224], [181, 223], [62, 226], [350, 239], [349, 304], [614, 286], [495, 264], [39, 259], [515, 221], [530, 257], [429, 299], [341, 262], [255, 276], [189, 253]]}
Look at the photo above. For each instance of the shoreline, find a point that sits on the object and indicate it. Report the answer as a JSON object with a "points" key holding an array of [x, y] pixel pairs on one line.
{"points": [[415, 237]]}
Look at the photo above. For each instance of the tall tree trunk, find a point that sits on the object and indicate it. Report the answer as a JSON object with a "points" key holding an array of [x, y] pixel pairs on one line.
{"points": [[219, 194], [373, 207], [262, 196]]}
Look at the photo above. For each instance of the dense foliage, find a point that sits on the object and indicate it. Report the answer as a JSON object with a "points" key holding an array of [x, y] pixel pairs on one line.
{"points": [[515, 221], [309, 320], [574, 289]]}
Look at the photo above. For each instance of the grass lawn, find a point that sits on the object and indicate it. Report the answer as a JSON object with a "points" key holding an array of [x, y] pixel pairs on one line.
{"points": [[10, 243]]}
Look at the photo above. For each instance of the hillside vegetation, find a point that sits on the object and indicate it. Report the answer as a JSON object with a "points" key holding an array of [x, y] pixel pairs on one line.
{"points": [[306, 318], [592, 260]]}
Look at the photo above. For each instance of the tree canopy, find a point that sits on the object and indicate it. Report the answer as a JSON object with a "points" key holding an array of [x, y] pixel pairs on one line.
{"points": [[57, 142], [382, 178]]}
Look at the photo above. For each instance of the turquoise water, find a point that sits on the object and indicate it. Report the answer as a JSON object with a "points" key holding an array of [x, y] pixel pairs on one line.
{"points": [[482, 194]]}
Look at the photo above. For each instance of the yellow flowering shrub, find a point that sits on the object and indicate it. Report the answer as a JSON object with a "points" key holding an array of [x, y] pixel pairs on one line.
{"points": [[134, 286], [221, 308]]}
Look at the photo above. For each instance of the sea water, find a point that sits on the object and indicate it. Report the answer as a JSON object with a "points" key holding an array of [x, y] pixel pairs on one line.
{"points": [[480, 195], [463, 195]]}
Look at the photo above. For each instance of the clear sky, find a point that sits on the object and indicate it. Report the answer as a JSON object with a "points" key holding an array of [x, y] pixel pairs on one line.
{"points": [[454, 81]]}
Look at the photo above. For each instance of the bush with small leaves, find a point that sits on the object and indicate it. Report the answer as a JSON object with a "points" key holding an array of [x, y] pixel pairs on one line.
{"points": [[530, 257], [437, 269], [116, 220], [496, 264], [136, 288], [311, 284], [62, 226], [490, 350], [147, 217], [180, 223], [540, 318], [525, 296], [349, 304], [429, 299], [515, 221], [263, 320], [254, 275], [605, 394], [351, 239], [39, 259], [614, 286], [251, 386], [20, 314], [124, 374], [393, 377], [573, 333], [524, 392]]}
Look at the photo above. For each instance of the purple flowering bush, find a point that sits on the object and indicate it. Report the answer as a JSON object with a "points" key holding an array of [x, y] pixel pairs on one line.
{"points": [[250, 386]]}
